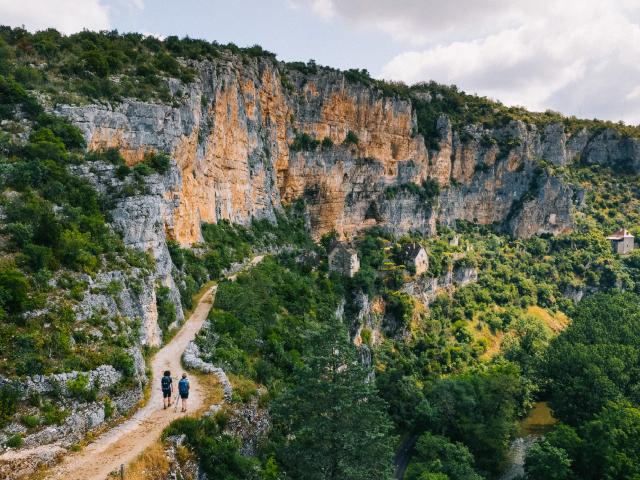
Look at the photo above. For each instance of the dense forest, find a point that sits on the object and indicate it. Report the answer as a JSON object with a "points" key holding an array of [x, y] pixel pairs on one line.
{"points": [[551, 319]]}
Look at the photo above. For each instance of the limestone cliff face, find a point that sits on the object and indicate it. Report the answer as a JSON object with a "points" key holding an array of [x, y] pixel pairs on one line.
{"points": [[230, 132]]}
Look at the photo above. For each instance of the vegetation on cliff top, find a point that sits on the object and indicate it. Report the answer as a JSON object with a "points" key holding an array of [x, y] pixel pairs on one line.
{"points": [[108, 66]]}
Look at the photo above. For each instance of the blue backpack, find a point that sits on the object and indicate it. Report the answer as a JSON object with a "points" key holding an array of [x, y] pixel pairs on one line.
{"points": [[166, 383], [183, 386]]}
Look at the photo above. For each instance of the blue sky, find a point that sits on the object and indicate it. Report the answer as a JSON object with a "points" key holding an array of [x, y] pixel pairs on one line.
{"points": [[578, 57], [293, 33]]}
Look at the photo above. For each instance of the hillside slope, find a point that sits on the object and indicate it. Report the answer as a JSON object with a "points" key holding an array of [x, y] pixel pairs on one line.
{"points": [[123, 157]]}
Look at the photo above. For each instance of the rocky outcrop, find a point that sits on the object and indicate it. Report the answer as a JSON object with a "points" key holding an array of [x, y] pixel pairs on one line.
{"points": [[229, 133], [191, 359], [183, 464], [141, 214], [425, 289], [250, 423], [77, 415]]}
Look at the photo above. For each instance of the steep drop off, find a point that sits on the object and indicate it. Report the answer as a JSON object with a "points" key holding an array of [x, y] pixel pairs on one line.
{"points": [[237, 134]]}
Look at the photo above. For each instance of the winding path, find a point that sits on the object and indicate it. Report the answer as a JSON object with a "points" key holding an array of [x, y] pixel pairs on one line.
{"points": [[124, 443]]}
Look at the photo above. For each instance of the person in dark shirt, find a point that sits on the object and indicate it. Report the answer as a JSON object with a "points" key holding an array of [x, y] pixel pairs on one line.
{"points": [[183, 390], [167, 388]]}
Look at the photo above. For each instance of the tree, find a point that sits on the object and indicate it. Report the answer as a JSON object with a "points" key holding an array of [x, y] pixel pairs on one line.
{"points": [[14, 290], [333, 424], [547, 462], [611, 444], [437, 455], [596, 359], [479, 409], [604, 448]]}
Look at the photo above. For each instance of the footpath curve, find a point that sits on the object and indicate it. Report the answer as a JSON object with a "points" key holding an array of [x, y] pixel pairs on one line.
{"points": [[125, 442]]}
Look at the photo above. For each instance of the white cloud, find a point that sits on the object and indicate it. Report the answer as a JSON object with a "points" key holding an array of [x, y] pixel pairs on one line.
{"points": [[67, 16], [578, 56]]}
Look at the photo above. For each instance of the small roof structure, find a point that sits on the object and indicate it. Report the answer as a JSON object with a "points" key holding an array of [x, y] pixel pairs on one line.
{"points": [[620, 235], [344, 247], [411, 250]]}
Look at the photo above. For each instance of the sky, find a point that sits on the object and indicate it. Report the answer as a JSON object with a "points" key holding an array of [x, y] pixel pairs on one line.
{"points": [[579, 57]]}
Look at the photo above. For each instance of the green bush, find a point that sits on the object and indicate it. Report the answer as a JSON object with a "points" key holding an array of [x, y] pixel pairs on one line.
{"points": [[53, 414], [9, 398], [166, 309], [218, 452], [80, 389], [351, 138], [14, 290], [303, 142], [15, 441], [30, 421]]}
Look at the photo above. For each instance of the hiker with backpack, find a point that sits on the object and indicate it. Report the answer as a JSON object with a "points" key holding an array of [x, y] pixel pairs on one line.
{"points": [[183, 390], [167, 388]]}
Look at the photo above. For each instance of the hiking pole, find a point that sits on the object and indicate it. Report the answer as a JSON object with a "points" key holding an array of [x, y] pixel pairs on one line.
{"points": [[175, 407]]}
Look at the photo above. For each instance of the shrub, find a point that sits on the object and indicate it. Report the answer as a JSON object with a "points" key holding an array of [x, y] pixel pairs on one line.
{"points": [[79, 386], [52, 414], [14, 290], [158, 161], [304, 142], [108, 407], [351, 138], [14, 441], [30, 421], [166, 309], [9, 397], [123, 362]]}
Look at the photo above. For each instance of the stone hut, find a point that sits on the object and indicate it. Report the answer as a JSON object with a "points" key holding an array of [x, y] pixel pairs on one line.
{"points": [[415, 256], [344, 260], [622, 242]]}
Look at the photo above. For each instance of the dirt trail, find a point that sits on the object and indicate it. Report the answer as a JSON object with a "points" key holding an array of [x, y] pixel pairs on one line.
{"points": [[124, 443]]}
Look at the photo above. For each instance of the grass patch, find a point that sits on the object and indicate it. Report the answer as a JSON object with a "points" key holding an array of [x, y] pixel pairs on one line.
{"points": [[151, 464], [556, 322]]}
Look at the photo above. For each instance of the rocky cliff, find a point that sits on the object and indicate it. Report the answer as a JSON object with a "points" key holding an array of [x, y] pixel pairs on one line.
{"points": [[230, 133]]}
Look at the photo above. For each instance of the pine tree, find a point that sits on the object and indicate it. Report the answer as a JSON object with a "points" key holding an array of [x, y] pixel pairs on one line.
{"points": [[334, 424]]}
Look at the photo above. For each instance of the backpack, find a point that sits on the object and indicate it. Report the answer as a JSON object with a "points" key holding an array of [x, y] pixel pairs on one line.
{"points": [[166, 383], [183, 386]]}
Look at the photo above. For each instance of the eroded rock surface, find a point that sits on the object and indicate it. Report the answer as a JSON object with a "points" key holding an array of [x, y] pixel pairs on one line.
{"points": [[230, 134]]}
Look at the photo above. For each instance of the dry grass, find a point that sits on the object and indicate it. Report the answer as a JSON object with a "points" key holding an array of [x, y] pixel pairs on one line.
{"points": [[152, 464], [212, 392], [243, 387], [481, 331], [556, 322]]}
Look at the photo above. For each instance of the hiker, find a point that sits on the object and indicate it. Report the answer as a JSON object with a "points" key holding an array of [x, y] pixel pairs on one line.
{"points": [[167, 388], [183, 390]]}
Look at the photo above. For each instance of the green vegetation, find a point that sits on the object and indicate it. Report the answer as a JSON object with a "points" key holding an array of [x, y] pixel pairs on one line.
{"points": [[55, 228], [273, 302], [225, 244], [436, 455], [303, 142], [592, 378], [216, 450], [331, 424], [166, 310], [351, 138], [427, 192], [596, 360]]}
